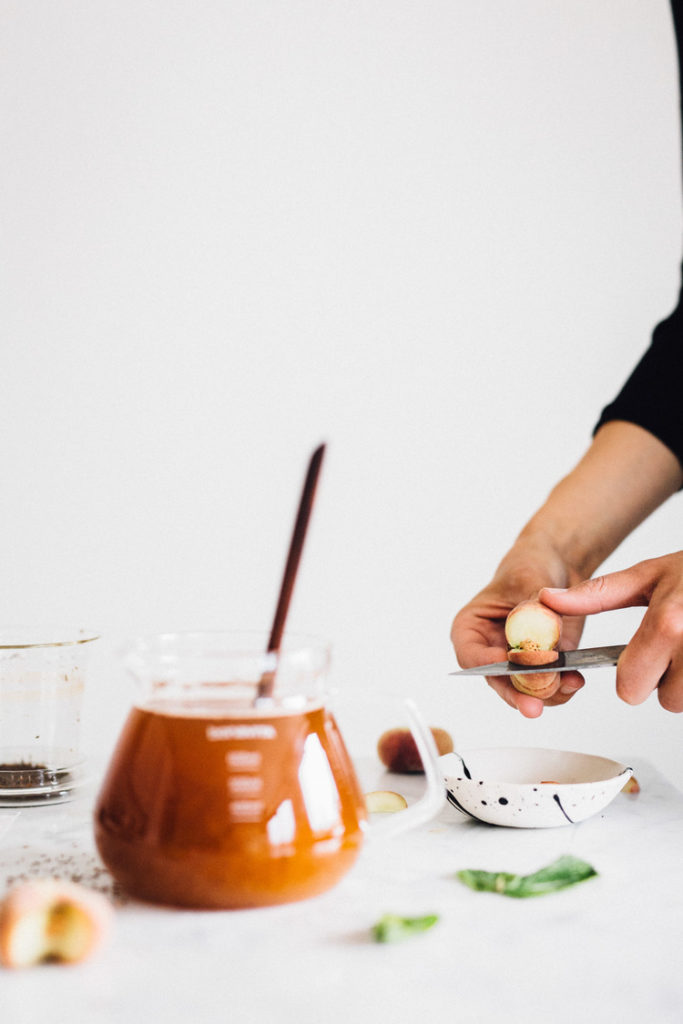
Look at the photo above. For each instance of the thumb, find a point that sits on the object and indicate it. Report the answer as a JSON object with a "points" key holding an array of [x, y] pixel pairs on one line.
{"points": [[622, 589]]}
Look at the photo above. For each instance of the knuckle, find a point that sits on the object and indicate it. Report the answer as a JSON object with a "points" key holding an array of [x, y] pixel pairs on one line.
{"points": [[668, 621], [595, 588], [597, 583]]}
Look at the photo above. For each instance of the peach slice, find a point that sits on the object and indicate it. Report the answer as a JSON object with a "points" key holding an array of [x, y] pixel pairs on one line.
{"points": [[632, 786], [398, 751], [537, 684], [531, 657], [384, 801], [51, 919]]}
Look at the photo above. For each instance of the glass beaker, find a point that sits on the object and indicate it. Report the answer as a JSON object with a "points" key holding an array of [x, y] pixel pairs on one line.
{"points": [[42, 679], [218, 798]]}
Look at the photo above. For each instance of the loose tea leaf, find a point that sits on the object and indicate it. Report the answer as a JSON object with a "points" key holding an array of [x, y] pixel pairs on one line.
{"points": [[561, 873], [392, 928]]}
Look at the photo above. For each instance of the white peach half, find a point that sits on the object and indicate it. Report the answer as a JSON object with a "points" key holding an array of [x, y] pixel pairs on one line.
{"points": [[51, 919], [531, 626]]}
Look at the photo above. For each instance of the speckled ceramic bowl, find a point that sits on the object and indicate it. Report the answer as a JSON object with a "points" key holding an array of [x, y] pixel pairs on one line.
{"points": [[528, 787]]}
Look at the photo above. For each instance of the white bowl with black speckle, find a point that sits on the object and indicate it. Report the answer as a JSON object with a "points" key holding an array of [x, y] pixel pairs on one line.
{"points": [[530, 787]]}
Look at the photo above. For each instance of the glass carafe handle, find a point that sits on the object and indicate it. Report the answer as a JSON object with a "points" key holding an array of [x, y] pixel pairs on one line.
{"points": [[429, 805]]}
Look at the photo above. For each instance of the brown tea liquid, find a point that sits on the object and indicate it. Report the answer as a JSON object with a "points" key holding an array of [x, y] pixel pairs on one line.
{"points": [[235, 810]]}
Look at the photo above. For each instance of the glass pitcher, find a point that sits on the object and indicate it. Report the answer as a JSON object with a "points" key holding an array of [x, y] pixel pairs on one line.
{"points": [[219, 797]]}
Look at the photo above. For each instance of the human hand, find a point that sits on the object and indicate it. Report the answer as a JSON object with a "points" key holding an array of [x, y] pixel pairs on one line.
{"points": [[478, 631], [653, 660]]}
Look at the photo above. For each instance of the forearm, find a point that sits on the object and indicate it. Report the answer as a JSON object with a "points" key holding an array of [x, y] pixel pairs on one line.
{"points": [[623, 477]]}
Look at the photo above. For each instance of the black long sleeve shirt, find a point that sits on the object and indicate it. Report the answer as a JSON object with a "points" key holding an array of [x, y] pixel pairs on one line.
{"points": [[652, 397]]}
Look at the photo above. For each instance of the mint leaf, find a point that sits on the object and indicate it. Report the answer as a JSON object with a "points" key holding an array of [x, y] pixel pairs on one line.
{"points": [[392, 928], [563, 872]]}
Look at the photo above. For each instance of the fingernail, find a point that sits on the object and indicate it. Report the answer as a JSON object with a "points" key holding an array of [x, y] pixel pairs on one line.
{"points": [[570, 688], [556, 590]]}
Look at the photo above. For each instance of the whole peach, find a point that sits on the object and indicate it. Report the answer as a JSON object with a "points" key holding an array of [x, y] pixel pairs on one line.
{"points": [[398, 751]]}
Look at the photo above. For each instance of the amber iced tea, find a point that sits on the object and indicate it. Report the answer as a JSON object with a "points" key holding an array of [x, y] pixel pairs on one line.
{"points": [[211, 807]]}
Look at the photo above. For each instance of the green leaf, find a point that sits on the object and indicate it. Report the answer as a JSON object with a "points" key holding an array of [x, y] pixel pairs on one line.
{"points": [[392, 928], [561, 873]]}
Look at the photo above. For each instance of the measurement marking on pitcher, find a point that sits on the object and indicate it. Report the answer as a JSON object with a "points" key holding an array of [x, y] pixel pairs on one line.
{"points": [[251, 731], [243, 785], [246, 810], [244, 760]]}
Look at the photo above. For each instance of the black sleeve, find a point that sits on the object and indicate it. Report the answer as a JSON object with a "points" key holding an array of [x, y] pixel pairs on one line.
{"points": [[652, 397]]}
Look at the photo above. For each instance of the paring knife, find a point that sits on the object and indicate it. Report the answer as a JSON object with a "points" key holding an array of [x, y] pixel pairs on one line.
{"points": [[567, 661]]}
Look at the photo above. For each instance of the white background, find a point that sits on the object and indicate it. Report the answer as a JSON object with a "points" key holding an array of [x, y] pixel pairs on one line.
{"points": [[435, 234]]}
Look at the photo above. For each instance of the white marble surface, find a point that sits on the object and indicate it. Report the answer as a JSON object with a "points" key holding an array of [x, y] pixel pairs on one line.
{"points": [[607, 950]]}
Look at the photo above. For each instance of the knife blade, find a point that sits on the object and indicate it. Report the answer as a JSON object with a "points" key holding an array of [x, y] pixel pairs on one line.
{"points": [[567, 661]]}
